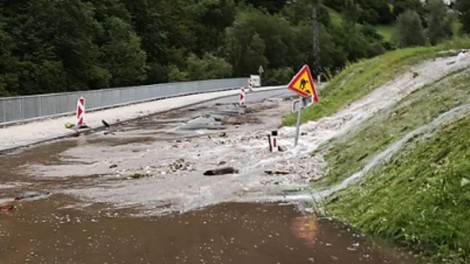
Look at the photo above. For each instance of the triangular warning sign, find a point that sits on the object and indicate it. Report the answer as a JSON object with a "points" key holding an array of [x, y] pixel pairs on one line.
{"points": [[302, 83]]}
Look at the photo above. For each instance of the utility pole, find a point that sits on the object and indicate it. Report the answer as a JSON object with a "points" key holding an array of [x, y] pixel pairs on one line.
{"points": [[316, 38]]}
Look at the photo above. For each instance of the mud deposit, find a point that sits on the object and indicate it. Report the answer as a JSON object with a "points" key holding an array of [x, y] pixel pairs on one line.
{"points": [[37, 232]]}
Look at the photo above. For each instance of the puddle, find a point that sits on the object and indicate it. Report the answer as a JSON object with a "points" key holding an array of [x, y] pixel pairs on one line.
{"points": [[38, 232]]}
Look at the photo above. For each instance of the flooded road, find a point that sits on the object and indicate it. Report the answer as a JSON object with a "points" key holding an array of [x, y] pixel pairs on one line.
{"points": [[136, 193], [226, 233]]}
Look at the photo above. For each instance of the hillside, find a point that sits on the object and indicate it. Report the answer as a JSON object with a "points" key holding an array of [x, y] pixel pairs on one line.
{"points": [[410, 160], [49, 47]]}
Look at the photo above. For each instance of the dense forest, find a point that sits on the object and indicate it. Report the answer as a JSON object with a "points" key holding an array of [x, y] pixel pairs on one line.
{"points": [[68, 45]]}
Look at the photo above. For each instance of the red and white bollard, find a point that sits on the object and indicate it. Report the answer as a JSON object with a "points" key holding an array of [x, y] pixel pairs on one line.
{"points": [[80, 111], [273, 144], [242, 97], [250, 85]]}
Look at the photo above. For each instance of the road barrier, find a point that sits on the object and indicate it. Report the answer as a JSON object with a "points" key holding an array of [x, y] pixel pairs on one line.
{"points": [[26, 108]]}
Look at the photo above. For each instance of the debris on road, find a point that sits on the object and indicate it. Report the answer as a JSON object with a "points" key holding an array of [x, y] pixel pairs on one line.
{"points": [[6, 208], [180, 164], [221, 171], [105, 123], [136, 176], [276, 172], [32, 196]]}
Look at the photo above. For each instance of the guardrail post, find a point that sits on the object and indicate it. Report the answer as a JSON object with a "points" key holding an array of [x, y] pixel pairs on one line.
{"points": [[4, 112]]}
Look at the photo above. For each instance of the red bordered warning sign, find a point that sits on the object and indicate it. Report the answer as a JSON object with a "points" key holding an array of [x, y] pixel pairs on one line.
{"points": [[302, 83]]}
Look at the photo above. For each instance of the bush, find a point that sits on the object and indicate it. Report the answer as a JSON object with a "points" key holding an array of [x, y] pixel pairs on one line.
{"points": [[409, 30], [278, 76]]}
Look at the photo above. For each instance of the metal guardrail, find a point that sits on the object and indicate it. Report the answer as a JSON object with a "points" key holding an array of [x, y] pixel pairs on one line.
{"points": [[26, 108]]}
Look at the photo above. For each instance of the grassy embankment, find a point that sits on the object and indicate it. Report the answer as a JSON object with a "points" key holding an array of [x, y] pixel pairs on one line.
{"points": [[420, 198], [363, 77]]}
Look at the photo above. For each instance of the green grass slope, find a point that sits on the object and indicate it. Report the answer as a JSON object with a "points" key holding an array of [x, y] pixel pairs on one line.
{"points": [[350, 153], [420, 199], [361, 78]]}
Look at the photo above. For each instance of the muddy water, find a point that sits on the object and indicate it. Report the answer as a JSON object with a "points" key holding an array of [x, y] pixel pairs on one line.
{"points": [[66, 228], [38, 232]]}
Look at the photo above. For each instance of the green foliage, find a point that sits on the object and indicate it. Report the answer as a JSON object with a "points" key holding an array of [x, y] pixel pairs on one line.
{"points": [[121, 53], [352, 152], [54, 46], [419, 199], [278, 76], [439, 23], [209, 20], [208, 67], [409, 30], [400, 6], [244, 47], [463, 6], [8, 79], [361, 78], [364, 11], [272, 6], [176, 75]]}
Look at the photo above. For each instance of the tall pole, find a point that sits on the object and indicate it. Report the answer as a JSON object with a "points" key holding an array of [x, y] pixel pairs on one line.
{"points": [[316, 38]]}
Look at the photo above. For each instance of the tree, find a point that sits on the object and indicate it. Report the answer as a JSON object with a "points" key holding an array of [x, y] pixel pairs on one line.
{"points": [[121, 53], [210, 19], [8, 79], [272, 6], [439, 23], [400, 6], [75, 31], [33, 66], [208, 67], [409, 30], [463, 6]]}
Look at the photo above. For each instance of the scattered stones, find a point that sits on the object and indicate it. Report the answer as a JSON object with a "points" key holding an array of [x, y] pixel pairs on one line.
{"points": [[221, 171], [179, 165], [281, 149], [223, 134], [113, 166], [222, 163]]}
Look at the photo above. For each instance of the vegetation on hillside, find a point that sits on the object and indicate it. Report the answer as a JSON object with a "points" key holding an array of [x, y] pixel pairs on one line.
{"points": [[53, 46], [418, 198], [359, 79]]}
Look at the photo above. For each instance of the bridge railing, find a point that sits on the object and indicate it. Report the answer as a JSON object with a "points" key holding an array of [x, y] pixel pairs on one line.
{"points": [[26, 108]]}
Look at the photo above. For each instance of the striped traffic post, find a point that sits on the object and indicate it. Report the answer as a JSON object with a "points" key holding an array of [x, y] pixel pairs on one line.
{"points": [[250, 85], [80, 111], [242, 97]]}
